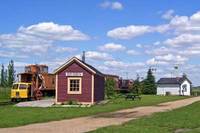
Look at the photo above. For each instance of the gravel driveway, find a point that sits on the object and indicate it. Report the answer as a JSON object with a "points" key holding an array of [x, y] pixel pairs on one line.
{"points": [[84, 124], [37, 103]]}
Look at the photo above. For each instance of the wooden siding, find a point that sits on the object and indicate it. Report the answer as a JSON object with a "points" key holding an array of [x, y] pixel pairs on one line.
{"points": [[98, 88], [49, 81], [86, 84]]}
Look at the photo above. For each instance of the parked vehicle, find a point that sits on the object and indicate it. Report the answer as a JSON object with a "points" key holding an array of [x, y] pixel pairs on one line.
{"points": [[34, 83], [21, 90]]}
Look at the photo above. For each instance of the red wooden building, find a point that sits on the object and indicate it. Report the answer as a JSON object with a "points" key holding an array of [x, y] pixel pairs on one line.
{"points": [[76, 80]]}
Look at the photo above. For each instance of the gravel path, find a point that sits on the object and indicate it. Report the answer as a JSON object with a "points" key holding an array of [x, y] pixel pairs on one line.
{"points": [[37, 103], [84, 124]]}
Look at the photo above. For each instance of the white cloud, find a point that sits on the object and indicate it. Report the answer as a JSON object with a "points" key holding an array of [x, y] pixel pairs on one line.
{"points": [[195, 18], [154, 62], [19, 40], [172, 58], [177, 25], [98, 56], [156, 43], [36, 48], [151, 61], [52, 31], [20, 64], [103, 68], [11, 54], [124, 65], [65, 49], [132, 52], [168, 75], [139, 45], [183, 39], [112, 5], [167, 59], [132, 31], [39, 38], [128, 32], [191, 51], [25, 43], [161, 51], [183, 24], [117, 6], [161, 28], [180, 24], [168, 14], [105, 4], [182, 48], [54, 63], [112, 47], [179, 21]]}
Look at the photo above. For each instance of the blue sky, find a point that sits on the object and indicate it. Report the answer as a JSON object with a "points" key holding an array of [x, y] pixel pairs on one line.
{"points": [[119, 37]]}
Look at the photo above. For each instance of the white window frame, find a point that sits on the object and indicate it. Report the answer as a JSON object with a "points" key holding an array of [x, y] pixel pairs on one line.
{"points": [[185, 87], [80, 85]]}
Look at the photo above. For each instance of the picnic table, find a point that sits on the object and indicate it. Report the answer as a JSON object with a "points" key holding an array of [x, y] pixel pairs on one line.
{"points": [[133, 96]]}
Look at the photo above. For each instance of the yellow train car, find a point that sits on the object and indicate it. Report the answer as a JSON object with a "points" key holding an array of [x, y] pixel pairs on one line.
{"points": [[21, 90]]}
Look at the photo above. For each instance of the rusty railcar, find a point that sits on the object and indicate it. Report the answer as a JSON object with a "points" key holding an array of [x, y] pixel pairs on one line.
{"points": [[39, 77]]}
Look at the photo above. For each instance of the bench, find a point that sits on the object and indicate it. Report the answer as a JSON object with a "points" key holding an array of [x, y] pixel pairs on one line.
{"points": [[133, 96]]}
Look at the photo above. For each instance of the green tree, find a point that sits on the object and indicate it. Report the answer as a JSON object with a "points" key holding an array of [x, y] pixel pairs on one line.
{"points": [[110, 88], [11, 73], [5, 78], [2, 75], [149, 83], [136, 88]]}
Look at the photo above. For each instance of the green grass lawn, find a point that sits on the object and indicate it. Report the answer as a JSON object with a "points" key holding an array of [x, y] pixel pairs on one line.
{"points": [[186, 119], [15, 116]]}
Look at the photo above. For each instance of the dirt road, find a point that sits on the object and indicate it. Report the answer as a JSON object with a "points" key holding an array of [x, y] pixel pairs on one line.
{"points": [[84, 124]]}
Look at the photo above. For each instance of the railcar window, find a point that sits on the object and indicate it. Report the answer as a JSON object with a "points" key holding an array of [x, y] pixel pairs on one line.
{"points": [[22, 86], [15, 86]]}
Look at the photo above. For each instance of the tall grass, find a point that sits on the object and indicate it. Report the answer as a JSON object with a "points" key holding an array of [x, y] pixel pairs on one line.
{"points": [[195, 92], [4, 94]]}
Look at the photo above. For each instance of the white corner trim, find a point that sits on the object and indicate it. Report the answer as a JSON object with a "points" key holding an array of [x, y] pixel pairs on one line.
{"points": [[92, 98], [56, 98]]}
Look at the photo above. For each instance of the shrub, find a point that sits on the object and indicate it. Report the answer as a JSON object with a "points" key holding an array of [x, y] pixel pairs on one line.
{"points": [[168, 93], [110, 88], [70, 102], [195, 93]]}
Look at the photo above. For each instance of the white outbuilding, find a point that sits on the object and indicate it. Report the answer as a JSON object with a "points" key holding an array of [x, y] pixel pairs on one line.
{"points": [[174, 86]]}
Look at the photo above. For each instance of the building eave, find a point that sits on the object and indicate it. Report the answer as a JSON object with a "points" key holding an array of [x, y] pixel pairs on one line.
{"points": [[68, 62]]}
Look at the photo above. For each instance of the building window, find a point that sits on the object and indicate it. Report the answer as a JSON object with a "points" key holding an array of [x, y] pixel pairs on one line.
{"points": [[184, 88], [74, 85]]}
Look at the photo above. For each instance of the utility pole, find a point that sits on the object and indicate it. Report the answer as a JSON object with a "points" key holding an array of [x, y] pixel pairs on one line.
{"points": [[126, 73], [176, 70]]}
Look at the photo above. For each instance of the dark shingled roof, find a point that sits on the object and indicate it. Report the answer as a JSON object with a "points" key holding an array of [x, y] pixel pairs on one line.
{"points": [[91, 67], [177, 80]]}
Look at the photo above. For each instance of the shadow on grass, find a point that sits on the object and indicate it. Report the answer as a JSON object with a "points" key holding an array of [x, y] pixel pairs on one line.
{"points": [[6, 103]]}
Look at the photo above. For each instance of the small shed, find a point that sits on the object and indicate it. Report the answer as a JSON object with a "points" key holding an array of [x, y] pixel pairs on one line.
{"points": [[79, 81], [174, 86]]}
